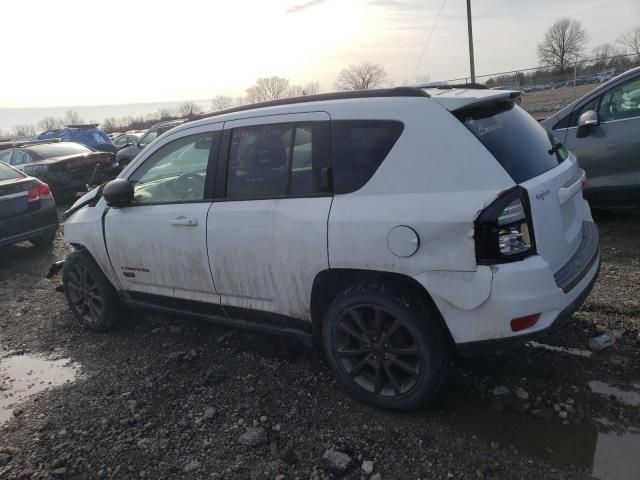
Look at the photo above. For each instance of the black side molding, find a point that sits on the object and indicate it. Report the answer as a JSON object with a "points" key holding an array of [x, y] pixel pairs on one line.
{"points": [[258, 321]]}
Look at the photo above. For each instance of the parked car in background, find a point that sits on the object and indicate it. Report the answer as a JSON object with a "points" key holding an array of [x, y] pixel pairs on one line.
{"points": [[89, 135], [126, 139], [129, 153], [67, 167], [23, 142], [27, 209], [390, 227], [603, 129]]}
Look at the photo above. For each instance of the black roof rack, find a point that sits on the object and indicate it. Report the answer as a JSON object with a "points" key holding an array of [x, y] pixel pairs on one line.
{"points": [[26, 143], [377, 93]]}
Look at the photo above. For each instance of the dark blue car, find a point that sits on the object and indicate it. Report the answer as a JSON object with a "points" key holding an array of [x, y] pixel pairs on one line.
{"points": [[90, 135]]}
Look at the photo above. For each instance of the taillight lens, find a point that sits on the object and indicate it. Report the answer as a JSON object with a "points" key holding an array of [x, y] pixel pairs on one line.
{"points": [[40, 191], [503, 231]]}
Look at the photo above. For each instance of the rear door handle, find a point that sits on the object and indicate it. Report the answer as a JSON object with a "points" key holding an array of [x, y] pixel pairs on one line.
{"points": [[184, 222]]}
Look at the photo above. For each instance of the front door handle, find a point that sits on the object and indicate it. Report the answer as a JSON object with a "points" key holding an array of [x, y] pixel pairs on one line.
{"points": [[184, 222]]}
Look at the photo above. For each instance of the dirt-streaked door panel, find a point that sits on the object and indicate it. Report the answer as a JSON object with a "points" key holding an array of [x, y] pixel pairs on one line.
{"points": [[266, 252], [155, 250]]}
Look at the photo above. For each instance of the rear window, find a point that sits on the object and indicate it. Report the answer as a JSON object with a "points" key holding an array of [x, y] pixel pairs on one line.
{"points": [[358, 149], [8, 173], [62, 149], [517, 140]]}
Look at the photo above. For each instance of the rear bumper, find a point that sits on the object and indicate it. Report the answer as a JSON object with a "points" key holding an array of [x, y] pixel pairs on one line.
{"points": [[25, 227], [472, 349], [520, 289]]}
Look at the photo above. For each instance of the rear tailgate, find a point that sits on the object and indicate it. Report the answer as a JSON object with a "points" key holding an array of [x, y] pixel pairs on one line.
{"points": [[545, 169]]}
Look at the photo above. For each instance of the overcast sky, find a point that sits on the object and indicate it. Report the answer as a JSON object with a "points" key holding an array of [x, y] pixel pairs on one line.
{"points": [[68, 53]]}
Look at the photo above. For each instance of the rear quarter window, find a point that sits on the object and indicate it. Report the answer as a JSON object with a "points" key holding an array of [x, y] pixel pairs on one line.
{"points": [[358, 149], [8, 173], [517, 141]]}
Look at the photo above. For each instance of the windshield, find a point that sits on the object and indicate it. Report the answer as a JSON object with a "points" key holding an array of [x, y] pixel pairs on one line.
{"points": [[8, 173], [518, 141], [62, 149]]}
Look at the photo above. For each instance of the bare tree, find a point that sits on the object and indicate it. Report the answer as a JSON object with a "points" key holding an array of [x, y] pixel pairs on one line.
{"points": [[563, 43], [268, 88], [24, 130], [311, 88], [601, 55], [189, 109], [631, 40], [72, 118], [363, 76], [620, 60], [423, 78], [50, 123], [164, 114], [222, 102]]}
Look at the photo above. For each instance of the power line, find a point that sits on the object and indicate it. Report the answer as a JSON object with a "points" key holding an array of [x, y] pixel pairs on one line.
{"points": [[428, 39]]}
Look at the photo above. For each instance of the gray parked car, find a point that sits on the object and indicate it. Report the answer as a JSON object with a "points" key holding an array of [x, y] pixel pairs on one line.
{"points": [[603, 130], [127, 154]]}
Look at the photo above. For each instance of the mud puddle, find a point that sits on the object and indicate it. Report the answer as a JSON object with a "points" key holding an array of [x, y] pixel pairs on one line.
{"points": [[608, 454], [24, 375]]}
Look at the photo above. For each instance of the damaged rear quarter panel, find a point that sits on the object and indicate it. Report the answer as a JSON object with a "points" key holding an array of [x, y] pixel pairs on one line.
{"points": [[436, 179]]}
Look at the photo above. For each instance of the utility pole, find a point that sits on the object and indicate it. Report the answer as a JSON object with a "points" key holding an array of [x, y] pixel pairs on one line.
{"points": [[471, 62]]}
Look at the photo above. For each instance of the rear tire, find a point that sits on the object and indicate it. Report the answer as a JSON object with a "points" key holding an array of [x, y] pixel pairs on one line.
{"points": [[91, 297], [387, 345], [46, 239]]}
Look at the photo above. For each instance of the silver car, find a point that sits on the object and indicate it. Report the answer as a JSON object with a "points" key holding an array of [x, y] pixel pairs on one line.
{"points": [[603, 129]]}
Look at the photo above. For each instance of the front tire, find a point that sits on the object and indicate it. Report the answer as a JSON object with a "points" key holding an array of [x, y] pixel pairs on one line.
{"points": [[386, 345], [92, 299]]}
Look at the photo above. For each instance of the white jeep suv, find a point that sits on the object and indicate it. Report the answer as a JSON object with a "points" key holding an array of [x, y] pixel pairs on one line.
{"points": [[390, 227]]}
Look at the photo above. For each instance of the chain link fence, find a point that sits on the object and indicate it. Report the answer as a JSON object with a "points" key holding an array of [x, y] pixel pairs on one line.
{"points": [[546, 90]]}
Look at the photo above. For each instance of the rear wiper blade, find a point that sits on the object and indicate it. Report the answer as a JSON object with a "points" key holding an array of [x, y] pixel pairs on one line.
{"points": [[555, 148]]}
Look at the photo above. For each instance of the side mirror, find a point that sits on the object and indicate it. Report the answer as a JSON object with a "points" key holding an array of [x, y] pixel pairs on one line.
{"points": [[587, 120], [118, 192]]}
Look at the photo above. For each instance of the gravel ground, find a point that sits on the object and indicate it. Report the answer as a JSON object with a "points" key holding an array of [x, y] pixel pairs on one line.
{"points": [[545, 103], [165, 397]]}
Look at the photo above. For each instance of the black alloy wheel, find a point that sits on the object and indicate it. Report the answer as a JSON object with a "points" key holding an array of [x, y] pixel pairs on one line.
{"points": [[377, 350]]}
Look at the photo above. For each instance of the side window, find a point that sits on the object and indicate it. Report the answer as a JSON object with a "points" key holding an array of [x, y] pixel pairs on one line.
{"points": [[302, 161], [148, 137], [358, 148], [175, 172], [590, 105], [621, 102], [121, 140], [20, 158], [5, 156], [259, 161]]}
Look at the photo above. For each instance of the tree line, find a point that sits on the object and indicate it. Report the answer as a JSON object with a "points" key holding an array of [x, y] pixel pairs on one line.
{"points": [[563, 46]]}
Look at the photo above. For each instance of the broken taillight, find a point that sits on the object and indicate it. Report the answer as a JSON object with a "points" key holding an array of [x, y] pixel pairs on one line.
{"points": [[39, 192]]}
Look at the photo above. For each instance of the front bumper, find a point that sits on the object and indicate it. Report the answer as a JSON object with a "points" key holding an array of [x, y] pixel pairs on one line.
{"points": [[520, 289]]}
